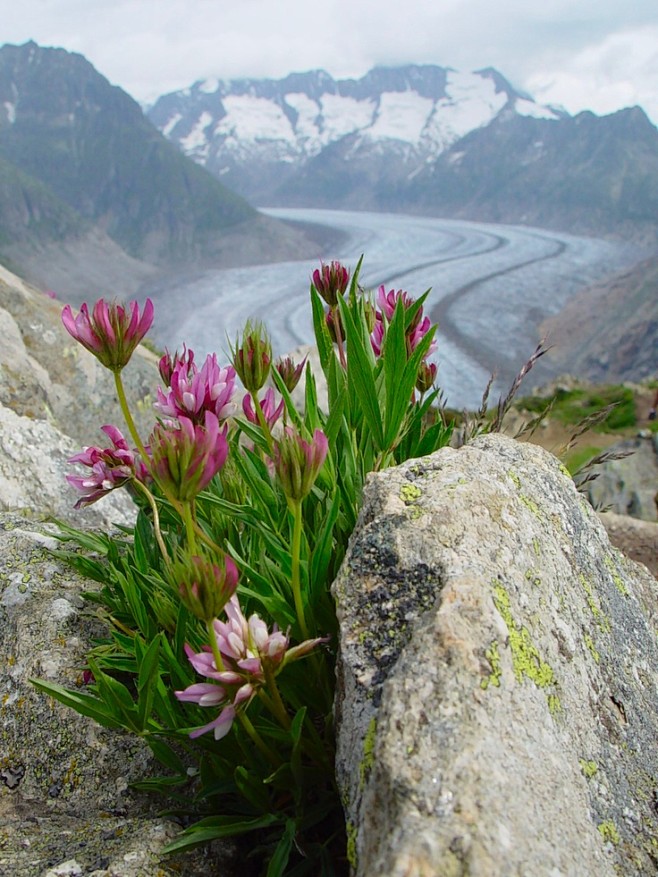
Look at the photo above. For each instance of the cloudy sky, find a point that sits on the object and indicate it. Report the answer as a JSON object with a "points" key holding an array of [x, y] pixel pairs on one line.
{"points": [[582, 54]]}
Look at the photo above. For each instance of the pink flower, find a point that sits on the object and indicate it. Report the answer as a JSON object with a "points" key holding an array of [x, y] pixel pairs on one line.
{"points": [[415, 331], [112, 332], [186, 457], [192, 392], [297, 462], [109, 468], [179, 361], [331, 281], [249, 652], [290, 373], [270, 413]]}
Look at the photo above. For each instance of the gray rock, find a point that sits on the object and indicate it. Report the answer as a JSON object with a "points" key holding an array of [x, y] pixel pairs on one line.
{"points": [[497, 708], [629, 486], [65, 803]]}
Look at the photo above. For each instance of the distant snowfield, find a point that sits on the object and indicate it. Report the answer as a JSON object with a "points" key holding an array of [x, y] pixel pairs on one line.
{"points": [[491, 287]]}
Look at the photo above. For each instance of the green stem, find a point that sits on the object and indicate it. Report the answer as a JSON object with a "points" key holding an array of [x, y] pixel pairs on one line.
{"points": [[217, 655], [339, 338], [262, 422], [156, 518], [188, 519], [123, 402], [260, 744], [274, 703], [295, 507]]}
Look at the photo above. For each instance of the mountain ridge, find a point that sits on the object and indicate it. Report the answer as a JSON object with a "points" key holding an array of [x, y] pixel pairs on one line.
{"points": [[420, 138]]}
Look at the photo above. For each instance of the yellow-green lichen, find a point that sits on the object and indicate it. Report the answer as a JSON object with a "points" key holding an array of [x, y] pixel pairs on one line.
{"points": [[608, 831], [493, 656], [589, 642], [554, 704], [533, 576], [526, 659], [350, 830], [368, 752], [601, 620], [588, 768], [514, 478], [616, 578], [531, 505], [536, 547], [410, 493]]}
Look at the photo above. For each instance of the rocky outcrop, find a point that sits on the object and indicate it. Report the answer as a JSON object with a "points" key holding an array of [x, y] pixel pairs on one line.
{"points": [[628, 486], [497, 710], [65, 803]]}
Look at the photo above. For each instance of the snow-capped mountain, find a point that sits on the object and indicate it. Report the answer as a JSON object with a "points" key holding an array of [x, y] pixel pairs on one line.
{"points": [[420, 139], [256, 134]]}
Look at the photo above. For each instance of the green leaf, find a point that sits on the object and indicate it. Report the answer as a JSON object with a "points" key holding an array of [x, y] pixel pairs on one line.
{"points": [[281, 854], [216, 827], [149, 675], [85, 704], [322, 337], [360, 374]]}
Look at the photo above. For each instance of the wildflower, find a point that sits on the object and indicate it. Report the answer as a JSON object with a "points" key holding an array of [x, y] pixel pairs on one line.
{"points": [[426, 376], [250, 654], [192, 392], [178, 362], [204, 586], [331, 281], [297, 462], [187, 456], [289, 372], [252, 359], [270, 413], [109, 468], [112, 332], [416, 329]]}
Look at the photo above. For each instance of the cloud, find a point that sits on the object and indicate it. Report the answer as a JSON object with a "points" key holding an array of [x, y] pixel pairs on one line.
{"points": [[589, 53], [620, 71]]}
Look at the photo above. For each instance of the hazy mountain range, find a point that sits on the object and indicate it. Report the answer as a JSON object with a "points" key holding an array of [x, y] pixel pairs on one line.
{"points": [[420, 139], [98, 196]]}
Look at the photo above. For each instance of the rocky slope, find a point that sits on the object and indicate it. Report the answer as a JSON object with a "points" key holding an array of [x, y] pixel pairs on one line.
{"points": [[83, 170]]}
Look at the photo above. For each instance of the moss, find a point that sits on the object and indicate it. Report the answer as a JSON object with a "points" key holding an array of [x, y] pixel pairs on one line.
{"points": [[608, 831], [493, 656], [588, 768], [368, 752]]}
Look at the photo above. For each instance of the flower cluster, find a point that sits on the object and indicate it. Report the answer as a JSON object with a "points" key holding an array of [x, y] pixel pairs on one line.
{"points": [[297, 462], [331, 282], [185, 457], [204, 585], [249, 656], [192, 391], [418, 327], [271, 411], [109, 468], [111, 332]]}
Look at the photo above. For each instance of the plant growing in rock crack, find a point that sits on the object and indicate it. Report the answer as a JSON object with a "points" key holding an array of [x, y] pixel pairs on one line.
{"points": [[221, 630]]}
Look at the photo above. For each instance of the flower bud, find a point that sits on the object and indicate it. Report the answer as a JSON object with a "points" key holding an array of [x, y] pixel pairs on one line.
{"points": [[289, 372], [252, 359], [297, 462], [331, 281], [205, 587]]}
